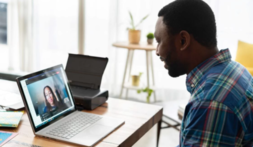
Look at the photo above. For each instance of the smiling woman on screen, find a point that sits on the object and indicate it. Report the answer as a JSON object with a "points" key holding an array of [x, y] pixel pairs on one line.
{"points": [[50, 99]]}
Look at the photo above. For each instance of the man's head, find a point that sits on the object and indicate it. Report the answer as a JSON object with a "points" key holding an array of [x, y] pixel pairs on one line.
{"points": [[183, 28]]}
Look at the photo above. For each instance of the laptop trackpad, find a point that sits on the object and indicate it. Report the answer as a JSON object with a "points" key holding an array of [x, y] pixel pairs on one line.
{"points": [[92, 134]]}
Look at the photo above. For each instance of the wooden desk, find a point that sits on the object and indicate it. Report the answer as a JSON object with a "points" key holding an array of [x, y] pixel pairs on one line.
{"points": [[139, 118], [149, 63]]}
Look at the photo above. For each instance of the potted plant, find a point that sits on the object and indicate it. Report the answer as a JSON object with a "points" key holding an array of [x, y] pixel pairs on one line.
{"points": [[136, 79], [148, 91], [150, 38], [134, 35]]}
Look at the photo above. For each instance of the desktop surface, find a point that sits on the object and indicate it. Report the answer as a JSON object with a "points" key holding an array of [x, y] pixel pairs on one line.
{"points": [[139, 118]]}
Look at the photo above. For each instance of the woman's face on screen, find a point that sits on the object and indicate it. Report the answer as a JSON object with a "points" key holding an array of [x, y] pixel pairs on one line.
{"points": [[49, 96]]}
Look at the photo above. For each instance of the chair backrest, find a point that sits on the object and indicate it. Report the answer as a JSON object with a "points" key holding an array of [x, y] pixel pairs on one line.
{"points": [[244, 54]]}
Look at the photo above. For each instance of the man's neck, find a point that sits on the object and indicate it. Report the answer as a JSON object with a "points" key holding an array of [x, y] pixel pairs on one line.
{"points": [[200, 55]]}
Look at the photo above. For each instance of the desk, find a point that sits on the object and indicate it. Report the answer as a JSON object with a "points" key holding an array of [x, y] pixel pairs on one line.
{"points": [[149, 62], [139, 118]]}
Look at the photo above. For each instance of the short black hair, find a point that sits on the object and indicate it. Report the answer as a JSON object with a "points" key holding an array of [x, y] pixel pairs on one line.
{"points": [[193, 16]]}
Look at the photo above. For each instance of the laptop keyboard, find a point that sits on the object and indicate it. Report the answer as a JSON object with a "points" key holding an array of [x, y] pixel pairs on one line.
{"points": [[74, 125]]}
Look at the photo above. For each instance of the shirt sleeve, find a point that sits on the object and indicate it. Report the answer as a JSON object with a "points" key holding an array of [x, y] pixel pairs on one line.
{"points": [[210, 124]]}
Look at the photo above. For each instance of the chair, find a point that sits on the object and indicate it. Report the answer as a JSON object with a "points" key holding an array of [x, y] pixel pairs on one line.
{"points": [[244, 55], [171, 118]]}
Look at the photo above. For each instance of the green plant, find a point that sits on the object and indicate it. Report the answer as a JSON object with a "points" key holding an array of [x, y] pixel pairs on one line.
{"points": [[150, 36], [140, 74], [132, 24], [148, 91]]}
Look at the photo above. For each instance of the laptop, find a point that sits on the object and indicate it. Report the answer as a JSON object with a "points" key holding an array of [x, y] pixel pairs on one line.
{"points": [[10, 100], [52, 113]]}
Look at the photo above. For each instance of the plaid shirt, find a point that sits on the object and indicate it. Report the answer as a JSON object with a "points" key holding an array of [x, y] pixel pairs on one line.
{"points": [[220, 111]]}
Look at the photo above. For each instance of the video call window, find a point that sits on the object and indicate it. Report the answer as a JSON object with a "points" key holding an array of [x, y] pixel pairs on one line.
{"points": [[49, 95], [3, 23]]}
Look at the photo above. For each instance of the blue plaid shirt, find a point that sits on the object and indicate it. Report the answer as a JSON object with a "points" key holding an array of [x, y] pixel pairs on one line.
{"points": [[220, 111]]}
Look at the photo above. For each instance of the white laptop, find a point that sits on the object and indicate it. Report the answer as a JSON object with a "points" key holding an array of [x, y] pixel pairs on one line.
{"points": [[52, 113], [11, 100]]}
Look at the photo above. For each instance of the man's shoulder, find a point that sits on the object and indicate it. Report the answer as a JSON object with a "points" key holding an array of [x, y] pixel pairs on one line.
{"points": [[228, 80], [230, 69], [229, 84]]}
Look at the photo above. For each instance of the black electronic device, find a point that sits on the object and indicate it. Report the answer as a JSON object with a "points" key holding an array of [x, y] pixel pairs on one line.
{"points": [[85, 76]]}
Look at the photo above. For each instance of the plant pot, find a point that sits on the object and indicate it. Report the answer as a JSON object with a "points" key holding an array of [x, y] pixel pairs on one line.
{"points": [[134, 36], [135, 80], [150, 41]]}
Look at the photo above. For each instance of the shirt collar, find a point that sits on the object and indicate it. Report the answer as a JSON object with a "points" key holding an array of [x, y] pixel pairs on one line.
{"points": [[196, 74]]}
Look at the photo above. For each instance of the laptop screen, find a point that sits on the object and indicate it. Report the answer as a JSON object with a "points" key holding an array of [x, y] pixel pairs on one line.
{"points": [[47, 95]]}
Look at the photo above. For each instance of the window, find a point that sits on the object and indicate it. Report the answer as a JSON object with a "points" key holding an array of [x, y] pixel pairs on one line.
{"points": [[3, 23], [55, 32]]}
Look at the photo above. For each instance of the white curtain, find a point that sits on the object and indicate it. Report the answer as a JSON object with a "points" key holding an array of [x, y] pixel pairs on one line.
{"points": [[55, 31], [41, 33], [20, 36], [25, 17], [106, 22], [17, 54]]}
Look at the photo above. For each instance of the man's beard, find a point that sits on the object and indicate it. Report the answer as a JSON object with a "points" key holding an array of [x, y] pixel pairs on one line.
{"points": [[175, 69]]}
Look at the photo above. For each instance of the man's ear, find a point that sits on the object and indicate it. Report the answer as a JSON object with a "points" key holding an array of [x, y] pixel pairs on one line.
{"points": [[185, 40]]}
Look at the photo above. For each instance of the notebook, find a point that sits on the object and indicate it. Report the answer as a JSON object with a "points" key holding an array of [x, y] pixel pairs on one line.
{"points": [[9, 118], [52, 113], [6, 136]]}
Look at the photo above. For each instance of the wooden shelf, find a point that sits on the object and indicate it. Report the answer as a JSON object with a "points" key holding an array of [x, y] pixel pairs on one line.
{"points": [[149, 64], [141, 86], [141, 46]]}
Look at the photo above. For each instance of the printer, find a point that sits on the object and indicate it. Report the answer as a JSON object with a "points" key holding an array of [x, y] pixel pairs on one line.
{"points": [[85, 74]]}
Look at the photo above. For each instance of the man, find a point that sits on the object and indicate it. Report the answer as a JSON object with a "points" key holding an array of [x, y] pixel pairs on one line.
{"points": [[220, 110]]}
